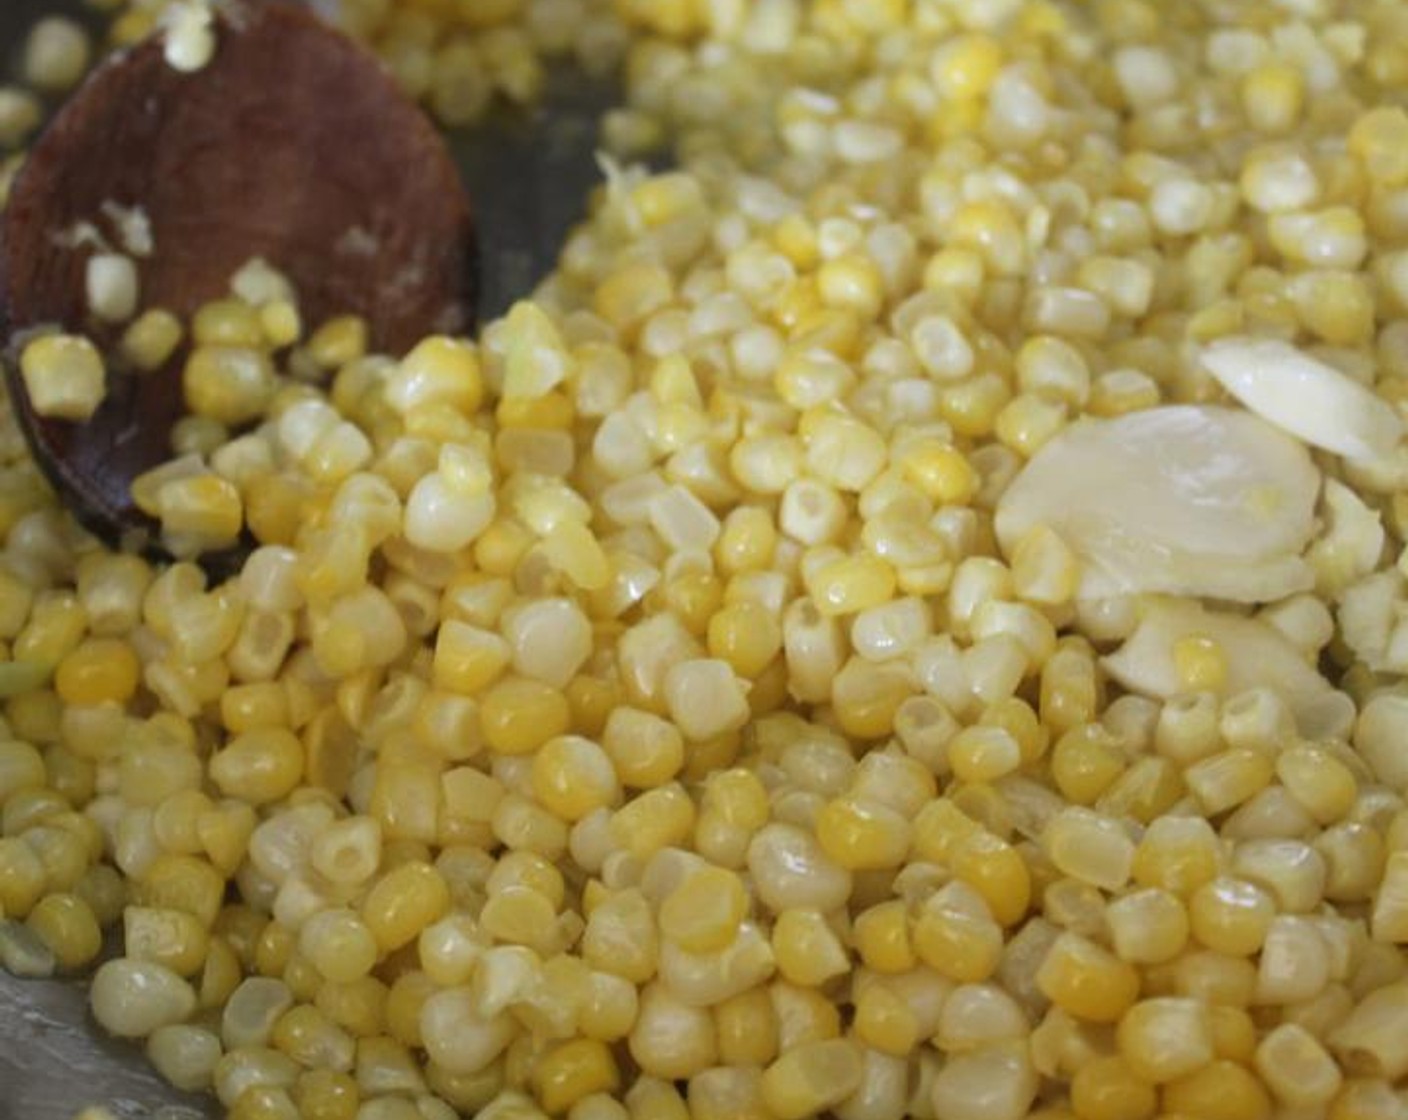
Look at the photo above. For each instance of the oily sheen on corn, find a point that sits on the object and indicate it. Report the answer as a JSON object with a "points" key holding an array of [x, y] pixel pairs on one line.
{"points": [[873, 636]]}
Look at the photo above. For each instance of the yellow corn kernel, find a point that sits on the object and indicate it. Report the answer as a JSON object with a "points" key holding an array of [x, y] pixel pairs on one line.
{"points": [[467, 658], [403, 902], [658, 818], [747, 636], [1229, 778], [1044, 569], [940, 828], [1107, 1089], [983, 754], [1085, 762], [1200, 663], [1166, 1038], [862, 835], [1223, 1090], [882, 937], [1296, 1067], [694, 599], [806, 948], [230, 384], [66, 924], [1086, 980], [338, 341], [1090, 847], [884, 1021], [996, 871], [261, 704], [187, 883], [522, 824], [867, 697], [1148, 926], [629, 294], [1375, 140], [691, 1046], [518, 715], [746, 1029], [811, 1078], [280, 323], [851, 283], [702, 914], [646, 750], [100, 670], [274, 509], [621, 937], [853, 584], [205, 508], [358, 1007], [748, 541], [551, 412], [941, 471], [608, 1008], [572, 776], [151, 339], [1319, 781], [1178, 854], [1335, 305], [339, 945], [226, 322], [527, 869], [1367, 1099], [437, 371], [310, 1038], [22, 877], [967, 66], [172, 938], [1234, 1034], [1273, 95], [263, 1102], [572, 1071], [64, 376], [572, 549], [962, 946], [259, 766]]}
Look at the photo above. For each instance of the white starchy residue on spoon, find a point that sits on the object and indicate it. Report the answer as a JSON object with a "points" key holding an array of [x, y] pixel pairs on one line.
{"points": [[133, 227]]}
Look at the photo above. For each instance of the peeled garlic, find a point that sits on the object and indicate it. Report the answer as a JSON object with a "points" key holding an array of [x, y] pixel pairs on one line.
{"points": [[1256, 653], [1185, 499], [1313, 401]]}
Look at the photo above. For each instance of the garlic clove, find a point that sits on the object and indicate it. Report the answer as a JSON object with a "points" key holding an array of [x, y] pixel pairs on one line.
{"points": [[1304, 396], [1183, 499]]}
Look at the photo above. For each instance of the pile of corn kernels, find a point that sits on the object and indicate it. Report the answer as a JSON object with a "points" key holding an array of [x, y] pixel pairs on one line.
{"points": [[684, 701]]}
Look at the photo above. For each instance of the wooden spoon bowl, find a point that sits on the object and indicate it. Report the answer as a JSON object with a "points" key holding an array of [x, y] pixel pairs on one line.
{"points": [[292, 144]]}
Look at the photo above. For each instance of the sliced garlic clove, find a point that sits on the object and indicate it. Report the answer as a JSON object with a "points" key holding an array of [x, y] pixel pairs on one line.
{"points": [[1184, 499], [1313, 401], [1256, 653]]}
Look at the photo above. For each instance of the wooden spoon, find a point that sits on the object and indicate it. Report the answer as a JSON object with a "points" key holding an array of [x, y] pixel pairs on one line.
{"points": [[291, 144]]}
